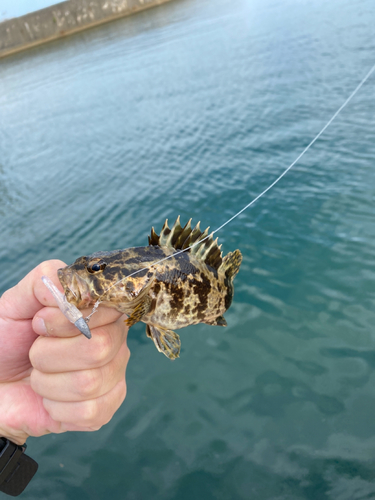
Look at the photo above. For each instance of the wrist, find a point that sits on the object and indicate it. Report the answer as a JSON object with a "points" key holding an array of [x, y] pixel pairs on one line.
{"points": [[13, 416], [16, 436]]}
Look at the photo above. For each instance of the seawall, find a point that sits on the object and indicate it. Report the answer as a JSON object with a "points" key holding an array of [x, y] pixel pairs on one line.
{"points": [[64, 19]]}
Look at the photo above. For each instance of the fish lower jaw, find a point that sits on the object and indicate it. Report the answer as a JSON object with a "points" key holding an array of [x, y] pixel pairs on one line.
{"points": [[80, 300], [87, 299]]}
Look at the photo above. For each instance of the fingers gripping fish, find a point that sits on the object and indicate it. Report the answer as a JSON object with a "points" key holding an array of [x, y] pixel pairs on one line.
{"points": [[188, 288]]}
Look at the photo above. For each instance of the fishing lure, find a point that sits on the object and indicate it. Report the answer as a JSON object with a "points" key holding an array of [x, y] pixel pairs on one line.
{"points": [[69, 310]]}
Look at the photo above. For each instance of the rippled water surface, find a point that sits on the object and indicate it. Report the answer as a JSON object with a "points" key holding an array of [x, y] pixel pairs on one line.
{"points": [[193, 108]]}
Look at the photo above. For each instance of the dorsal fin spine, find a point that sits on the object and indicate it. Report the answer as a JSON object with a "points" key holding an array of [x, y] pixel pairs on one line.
{"points": [[181, 238], [202, 251], [165, 231], [216, 255], [153, 239], [186, 230], [205, 249], [175, 232], [193, 237]]}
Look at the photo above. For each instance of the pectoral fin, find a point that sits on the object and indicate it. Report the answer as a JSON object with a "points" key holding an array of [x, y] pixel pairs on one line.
{"points": [[166, 341], [140, 304], [139, 311], [138, 288]]}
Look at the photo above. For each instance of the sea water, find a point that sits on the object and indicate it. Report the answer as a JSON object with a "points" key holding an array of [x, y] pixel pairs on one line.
{"points": [[193, 108]]}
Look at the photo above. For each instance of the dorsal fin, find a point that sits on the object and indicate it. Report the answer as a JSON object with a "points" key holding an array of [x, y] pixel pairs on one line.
{"points": [[179, 237]]}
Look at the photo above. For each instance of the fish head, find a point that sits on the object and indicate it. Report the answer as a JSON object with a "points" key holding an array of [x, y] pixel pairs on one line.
{"points": [[104, 276], [78, 285]]}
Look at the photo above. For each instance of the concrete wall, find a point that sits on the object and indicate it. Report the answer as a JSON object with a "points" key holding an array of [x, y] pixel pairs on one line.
{"points": [[63, 19]]}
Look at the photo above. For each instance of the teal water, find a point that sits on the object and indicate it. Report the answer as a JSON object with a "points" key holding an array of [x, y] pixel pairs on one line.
{"points": [[193, 108]]}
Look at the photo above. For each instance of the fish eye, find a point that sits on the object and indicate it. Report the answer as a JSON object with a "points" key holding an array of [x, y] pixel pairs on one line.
{"points": [[96, 266]]}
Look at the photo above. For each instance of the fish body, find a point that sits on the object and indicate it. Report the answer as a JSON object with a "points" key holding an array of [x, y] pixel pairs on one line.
{"points": [[195, 286]]}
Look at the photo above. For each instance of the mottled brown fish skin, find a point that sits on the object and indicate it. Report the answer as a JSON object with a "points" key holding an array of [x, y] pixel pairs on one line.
{"points": [[185, 291], [180, 279]]}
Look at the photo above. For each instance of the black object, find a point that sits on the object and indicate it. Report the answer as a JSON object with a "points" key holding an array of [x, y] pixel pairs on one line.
{"points": [[16, 468]]}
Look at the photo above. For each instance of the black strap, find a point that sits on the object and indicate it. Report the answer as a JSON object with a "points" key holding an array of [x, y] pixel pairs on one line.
{"points": [[16, 468]]}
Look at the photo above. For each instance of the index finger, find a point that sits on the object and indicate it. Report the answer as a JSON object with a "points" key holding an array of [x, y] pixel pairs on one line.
{"points": [[51, 322]]}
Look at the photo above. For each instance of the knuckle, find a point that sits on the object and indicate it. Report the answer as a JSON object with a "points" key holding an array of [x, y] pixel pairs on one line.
{"points": [[90, 413], [49, 266], [119, 395], [43, 268], [87, 383], [101, 349], [98, 412], [52, 409]]}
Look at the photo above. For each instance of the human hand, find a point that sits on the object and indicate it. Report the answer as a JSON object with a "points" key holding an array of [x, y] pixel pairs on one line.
{"points": [[52, 378]]}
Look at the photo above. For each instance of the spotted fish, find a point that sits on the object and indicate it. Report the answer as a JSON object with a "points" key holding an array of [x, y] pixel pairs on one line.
{"points": [[192, 287]]}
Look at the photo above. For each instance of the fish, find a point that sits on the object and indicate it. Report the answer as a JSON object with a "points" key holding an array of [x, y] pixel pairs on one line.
{"points": [[193, 283]]}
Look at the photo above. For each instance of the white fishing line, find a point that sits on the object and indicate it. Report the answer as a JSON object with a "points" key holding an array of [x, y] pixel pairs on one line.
{"points": [[303, 152], [255, 199]]}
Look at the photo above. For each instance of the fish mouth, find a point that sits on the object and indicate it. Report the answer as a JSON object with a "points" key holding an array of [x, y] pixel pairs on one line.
{"points": [[76, 289]]}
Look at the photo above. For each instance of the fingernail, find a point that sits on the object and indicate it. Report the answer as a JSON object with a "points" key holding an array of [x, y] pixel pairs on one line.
{"points": [[40, 326]]}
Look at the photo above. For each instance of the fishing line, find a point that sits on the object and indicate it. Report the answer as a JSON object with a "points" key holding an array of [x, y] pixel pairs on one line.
{"points": [[363, 81]]}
